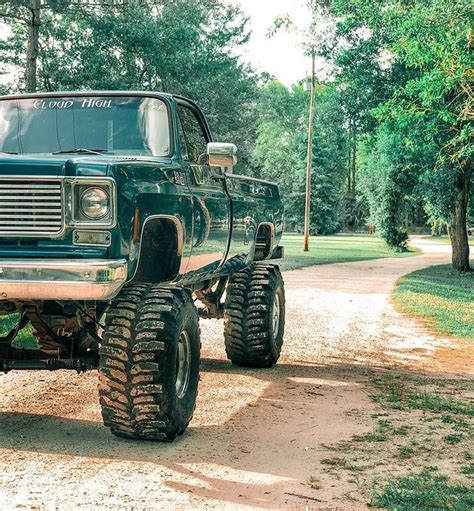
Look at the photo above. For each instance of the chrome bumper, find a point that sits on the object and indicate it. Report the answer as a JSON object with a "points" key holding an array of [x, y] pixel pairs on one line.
{"points": [[61, 279]]}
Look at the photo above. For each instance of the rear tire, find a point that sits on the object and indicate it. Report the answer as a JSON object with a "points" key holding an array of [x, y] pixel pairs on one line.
{"points": [[149, 363], [254, 316]]}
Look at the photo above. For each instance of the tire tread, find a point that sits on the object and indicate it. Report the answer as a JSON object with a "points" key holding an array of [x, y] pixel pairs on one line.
{"points": [[138, 327], [246, 316]]}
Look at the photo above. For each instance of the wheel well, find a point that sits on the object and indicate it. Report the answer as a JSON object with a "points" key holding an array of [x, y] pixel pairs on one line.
{"points": [[264, 241], [160, 250]]}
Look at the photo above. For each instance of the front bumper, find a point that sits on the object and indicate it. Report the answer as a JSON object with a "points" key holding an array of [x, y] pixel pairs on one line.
{"points": [[61, 279]]}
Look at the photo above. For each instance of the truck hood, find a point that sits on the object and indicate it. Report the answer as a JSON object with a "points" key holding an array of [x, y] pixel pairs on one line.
{"points": [[54, 165], [58, 165]]}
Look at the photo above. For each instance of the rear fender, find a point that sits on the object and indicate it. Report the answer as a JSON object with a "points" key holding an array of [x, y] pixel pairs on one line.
{"points": [[264, 241]]}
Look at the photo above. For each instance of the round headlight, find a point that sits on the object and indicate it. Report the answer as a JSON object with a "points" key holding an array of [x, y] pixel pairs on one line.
{"points": [[94, 203]]}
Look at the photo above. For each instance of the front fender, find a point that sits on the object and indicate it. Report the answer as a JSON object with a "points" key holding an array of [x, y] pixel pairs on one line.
{"points": [[161, 250], [152, 201]]}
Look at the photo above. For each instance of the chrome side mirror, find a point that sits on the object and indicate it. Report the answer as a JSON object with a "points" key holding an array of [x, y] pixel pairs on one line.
{"points": [[221, 154]]}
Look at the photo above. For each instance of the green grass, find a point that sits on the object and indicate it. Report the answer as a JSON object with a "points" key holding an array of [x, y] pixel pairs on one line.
{"points": [[468, 469], [405, 452], [403, 430], [433, 418], [399, 395], [338, 462], [453, 439], [372, 436], [379, 434], [442, 297], [340, 248], [24, 339], [457, 423], [423, 491]]}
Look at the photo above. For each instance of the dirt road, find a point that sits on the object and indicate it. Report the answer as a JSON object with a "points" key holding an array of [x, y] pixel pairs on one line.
{"points": [[257, 438]]}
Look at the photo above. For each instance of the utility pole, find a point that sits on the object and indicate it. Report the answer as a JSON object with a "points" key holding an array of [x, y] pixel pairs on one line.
{"points": [[309, 158]]}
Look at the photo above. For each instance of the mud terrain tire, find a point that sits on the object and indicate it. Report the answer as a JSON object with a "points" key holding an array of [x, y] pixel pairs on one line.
{"points": [[149, 363], [254, 316]]}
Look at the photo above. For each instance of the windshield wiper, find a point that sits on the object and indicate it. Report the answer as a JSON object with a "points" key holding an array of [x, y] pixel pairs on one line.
{"points": [[8, 152], [81, 150]]}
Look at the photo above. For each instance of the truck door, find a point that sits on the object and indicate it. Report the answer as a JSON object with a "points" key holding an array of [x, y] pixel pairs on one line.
{"points": [[210, 201], [246, 209]]}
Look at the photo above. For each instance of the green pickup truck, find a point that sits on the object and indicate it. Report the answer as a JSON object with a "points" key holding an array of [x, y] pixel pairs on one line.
{"points": [[121, 223]]}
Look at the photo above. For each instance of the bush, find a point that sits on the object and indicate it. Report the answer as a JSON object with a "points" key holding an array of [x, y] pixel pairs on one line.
{"points": [[396, 238], [387, 181]]}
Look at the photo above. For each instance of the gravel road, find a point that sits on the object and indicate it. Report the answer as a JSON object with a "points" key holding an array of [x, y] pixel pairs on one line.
{"points": [[255, 440]]}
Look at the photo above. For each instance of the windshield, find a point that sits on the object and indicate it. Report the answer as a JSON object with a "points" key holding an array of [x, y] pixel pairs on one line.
{"points": [[123, 125]]}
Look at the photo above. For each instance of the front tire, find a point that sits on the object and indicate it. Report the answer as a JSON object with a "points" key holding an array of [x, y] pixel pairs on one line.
{"points": [[149, 363], [254, 316]]}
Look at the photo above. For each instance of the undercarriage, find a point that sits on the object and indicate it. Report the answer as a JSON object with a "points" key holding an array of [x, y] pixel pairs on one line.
{"points": [[67, 336]]}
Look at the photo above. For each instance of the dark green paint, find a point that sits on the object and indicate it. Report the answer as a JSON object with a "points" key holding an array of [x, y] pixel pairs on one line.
{"points": [[158, 186]]}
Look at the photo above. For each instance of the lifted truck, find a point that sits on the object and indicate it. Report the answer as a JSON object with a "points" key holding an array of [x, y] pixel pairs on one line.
{"points": [[118, 213]]}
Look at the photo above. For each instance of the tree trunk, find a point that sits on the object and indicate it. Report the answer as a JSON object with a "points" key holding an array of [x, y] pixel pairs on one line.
{"points": [[458, 228], [349, 166], [32, 47], [351, 170]]}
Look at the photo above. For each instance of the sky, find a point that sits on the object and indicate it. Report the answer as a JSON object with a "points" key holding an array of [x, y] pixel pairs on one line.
{"points": [[280, 55]]}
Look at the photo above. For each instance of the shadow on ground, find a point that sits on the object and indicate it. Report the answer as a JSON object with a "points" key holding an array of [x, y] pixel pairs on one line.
{"points": [[302, 406]]}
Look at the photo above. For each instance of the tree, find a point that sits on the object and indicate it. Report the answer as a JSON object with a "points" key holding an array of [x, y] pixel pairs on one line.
{"points": [[310, 36], [280, 152], [389, 180], [180, 46], [362, 84], [28, 13], [426, 47]]}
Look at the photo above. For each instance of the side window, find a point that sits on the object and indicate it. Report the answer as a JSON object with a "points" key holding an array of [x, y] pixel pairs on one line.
{"points": [[193, 134]]}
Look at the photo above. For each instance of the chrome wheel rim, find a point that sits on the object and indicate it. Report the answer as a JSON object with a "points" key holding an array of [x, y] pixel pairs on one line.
{"points": [[183, 364], [276, 315]]}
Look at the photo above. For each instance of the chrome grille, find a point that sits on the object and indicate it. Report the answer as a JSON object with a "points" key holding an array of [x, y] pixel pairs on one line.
{"points": [[30, 207]]}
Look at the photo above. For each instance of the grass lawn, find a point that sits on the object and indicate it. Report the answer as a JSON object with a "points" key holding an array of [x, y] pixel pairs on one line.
{"points": [[442, 297], [340, 248]]}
